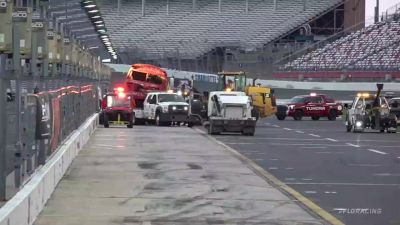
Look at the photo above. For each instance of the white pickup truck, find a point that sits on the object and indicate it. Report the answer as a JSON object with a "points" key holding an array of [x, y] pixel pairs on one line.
{"points": [[163, 109]]}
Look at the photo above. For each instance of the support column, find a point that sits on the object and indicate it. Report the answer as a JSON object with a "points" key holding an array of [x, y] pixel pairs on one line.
{"points": [[304, 5], [219, 6], [377, 11], [194, 5], [3, 132], [247, 6], [275, 5], [143, 7], [119, 6]]}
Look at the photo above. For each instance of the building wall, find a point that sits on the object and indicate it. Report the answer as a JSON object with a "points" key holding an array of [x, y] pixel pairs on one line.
{"points": [[354, 13]]}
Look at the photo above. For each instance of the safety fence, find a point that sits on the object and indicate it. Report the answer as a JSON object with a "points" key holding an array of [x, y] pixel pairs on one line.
{"points": [[33, 128]]}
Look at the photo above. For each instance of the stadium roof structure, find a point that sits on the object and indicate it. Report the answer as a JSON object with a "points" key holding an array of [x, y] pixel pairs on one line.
{"points": [[158, 29], [82, 20]]}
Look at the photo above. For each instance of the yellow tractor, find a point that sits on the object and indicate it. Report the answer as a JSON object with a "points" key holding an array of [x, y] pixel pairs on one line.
{"points": [[264, 102]]}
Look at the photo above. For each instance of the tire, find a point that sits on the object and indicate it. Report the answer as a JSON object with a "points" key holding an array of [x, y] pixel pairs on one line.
{"points": [[383, 131], [106, 125], [315, 117], [129, 126], [348, 127], [280, 117], [211, 130], [298, 115], [190, 124], [157, 120], [332, 115], [255, 113], [139, 121]]}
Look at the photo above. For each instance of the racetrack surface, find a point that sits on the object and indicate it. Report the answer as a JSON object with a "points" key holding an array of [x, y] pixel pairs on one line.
{"points": [[355, 177]]}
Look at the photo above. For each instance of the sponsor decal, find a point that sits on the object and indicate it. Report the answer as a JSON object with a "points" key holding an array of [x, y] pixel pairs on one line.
{"points": [[315, 108]]}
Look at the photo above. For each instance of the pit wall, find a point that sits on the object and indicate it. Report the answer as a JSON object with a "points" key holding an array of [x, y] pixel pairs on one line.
{"points": [[26, 205]]}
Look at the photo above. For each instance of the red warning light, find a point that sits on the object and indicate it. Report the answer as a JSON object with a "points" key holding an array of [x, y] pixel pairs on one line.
{"points": [[120, 89], [121, 95]]}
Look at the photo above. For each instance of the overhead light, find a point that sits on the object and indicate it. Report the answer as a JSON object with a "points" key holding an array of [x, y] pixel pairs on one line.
{"points": [[95, 17], [115, 57], [99, 25], [90, 6], [102, 30], [93, 11], [104, 36], [87, 1], [98, 21]]}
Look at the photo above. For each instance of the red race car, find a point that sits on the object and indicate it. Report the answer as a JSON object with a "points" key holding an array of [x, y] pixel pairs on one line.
{"points": [[313, 105]]}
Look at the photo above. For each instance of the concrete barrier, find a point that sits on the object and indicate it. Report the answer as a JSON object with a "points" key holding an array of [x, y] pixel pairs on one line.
{"points": [[26, 205]]}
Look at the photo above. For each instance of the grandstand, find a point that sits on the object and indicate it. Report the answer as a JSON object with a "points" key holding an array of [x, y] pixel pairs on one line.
{"points": [[376, 47], [189, 30]]}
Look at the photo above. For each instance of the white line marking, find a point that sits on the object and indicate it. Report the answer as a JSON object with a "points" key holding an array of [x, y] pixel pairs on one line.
{"points": [[330, 192], [330, 139], [307, 179], [289, 168], [352, 145], [274, 159], [275, 126], [398, 157], [290, 178], [329, 152], [300, 132], [314, 135], [314, 147], [376, 151], [287, 128], [367, 165], [387, 174], [344, 184], [267, 123], [310, 192], [273, 168]]}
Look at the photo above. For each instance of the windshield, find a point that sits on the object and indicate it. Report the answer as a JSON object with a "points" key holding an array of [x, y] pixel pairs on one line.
{"points": [[297, 100], [170, 98], [114, 101]]}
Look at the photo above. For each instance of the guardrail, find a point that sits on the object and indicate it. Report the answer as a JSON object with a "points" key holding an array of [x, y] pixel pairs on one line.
{"points": [[34, 127]]}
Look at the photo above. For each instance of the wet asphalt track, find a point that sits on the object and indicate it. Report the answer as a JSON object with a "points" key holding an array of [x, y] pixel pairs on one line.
{"points": [[355, 177]]}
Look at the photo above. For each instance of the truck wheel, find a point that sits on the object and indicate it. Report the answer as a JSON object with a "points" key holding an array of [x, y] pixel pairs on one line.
{"points": [[255, 113], [158, 122], [139, 121], [280, 117], [315, 117], [298, 115], [211, 130], [106, 125], [348, 126], [332, 115], [129, 126]]}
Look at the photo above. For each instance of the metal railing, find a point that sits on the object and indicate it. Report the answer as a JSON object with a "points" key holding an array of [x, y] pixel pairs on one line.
{"points": [[31, 134]]}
